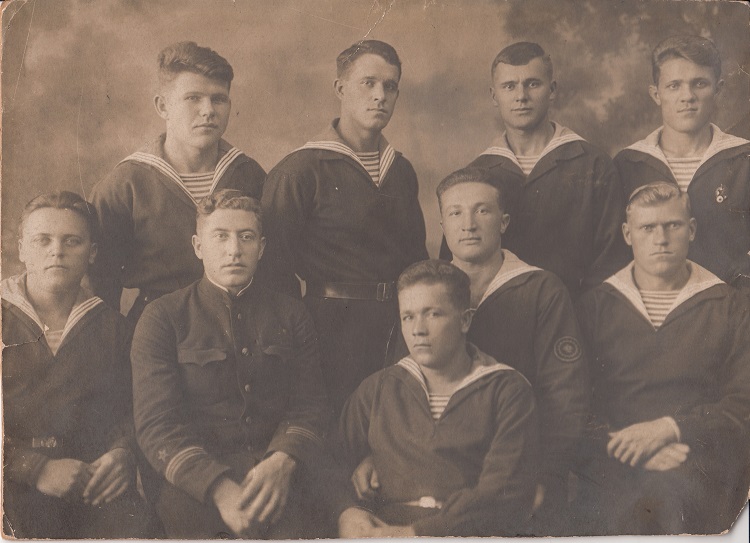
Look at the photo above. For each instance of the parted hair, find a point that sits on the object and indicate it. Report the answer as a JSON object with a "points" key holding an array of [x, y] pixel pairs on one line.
{"points": [[471, 175], [520, 54], [657, 193], [62, 199], [188, 56], [229, 199], [701, 51], [346, 58], [439, 272]]}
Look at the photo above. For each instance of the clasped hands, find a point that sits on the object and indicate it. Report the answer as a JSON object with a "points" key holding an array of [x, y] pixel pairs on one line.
{"points": [[259, 501], [98, 483], [652, 445], [355, 522]]}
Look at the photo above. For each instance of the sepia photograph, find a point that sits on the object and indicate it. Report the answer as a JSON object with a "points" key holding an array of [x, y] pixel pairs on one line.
{"points": [[374, 268]]}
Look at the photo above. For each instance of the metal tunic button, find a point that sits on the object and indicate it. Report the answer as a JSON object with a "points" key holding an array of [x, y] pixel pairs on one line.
{"points": [[245, 351], [247, 389], [248, 420], [239, 316]]}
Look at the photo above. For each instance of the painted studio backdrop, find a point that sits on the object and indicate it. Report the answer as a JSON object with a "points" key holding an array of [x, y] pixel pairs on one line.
{"points": [[78, 77]]}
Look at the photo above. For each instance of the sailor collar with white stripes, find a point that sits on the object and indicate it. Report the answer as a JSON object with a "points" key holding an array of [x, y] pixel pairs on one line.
{"points": [[512, 267], [158, 162], [330, 140], [482, 364], [14, 292], [561, 136], [700, 280], [720, 141]]}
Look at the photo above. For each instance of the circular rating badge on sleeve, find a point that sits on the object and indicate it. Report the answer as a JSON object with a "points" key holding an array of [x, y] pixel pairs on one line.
{"points": [[567, 349]]}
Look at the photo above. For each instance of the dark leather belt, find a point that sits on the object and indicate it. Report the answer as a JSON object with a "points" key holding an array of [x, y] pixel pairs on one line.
{"points": [[381, 292]]}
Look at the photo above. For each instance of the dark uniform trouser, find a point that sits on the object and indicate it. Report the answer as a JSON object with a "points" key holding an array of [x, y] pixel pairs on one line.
{"points": [[699, 497], [30, 514], [184, 517], [353, 337]]}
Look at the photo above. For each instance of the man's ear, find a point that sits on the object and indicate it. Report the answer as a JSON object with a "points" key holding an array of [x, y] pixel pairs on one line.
{"points": [[466, 318], [505, 222], [719, 86], [92, 253], [197, 246], [653, 91], [693, 227], [626, 234], [553, 91], [262, 247], [21, 253], [160, 103], [492, 94], [338, 88]]}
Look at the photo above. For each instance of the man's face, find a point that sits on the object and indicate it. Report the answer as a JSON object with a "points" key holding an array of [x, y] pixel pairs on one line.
{"points": [[687, 94], [523, 94], [433, 327], [660, 236], [56, 248], [368, 92], [473, 222], [196, 110], [230, 244]]}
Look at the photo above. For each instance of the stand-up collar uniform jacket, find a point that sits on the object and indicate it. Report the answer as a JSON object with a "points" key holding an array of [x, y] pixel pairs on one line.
{"points": [[147, 219], [72, 404], [216, 375], [719, 196]]}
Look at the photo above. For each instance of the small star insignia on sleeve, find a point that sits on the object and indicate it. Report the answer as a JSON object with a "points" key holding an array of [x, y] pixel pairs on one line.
{"points": [[163, 455]]}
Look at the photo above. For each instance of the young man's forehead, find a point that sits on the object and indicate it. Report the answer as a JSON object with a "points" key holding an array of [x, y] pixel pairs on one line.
{"points": [[236, 220], [374, 66], [683, 68], [534, 69], [187, 80], [668, 211]]}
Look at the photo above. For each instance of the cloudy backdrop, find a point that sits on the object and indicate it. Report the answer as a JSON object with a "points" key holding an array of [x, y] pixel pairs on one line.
{"points": [[78, 77]]}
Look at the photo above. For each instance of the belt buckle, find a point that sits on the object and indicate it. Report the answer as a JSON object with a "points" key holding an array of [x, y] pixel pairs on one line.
{"points": [[428, 502], [384, 292]]}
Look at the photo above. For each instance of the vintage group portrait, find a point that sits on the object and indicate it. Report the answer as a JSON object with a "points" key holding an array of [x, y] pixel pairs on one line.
{"points": [[374, 268]]}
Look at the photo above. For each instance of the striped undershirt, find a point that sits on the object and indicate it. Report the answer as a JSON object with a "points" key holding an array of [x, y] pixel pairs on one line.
{"points": [[527, 163], [437, 404], [371, 162], [658, 303], [54, 338], [198, 184], [684, 170]]}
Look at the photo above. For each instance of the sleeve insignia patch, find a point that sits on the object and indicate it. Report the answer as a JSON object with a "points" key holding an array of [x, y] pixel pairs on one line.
{"points": [[567, 349]]}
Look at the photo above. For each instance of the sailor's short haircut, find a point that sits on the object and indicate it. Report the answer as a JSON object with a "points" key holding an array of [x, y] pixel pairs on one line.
{"points": [[701, 51], [471, 174], [656, 193], [507, 194], [346, 58], [520, 54], [229, 199], [188, 56], [439, 272], [62, 199]]}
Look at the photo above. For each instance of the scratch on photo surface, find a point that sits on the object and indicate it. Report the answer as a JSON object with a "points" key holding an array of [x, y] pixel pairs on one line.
{"points": [[385, 12], [78, 141], [23, 55], [324, 19]]}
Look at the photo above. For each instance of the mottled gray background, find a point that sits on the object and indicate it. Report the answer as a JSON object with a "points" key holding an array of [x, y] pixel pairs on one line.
{"points": [[79, 75]]}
